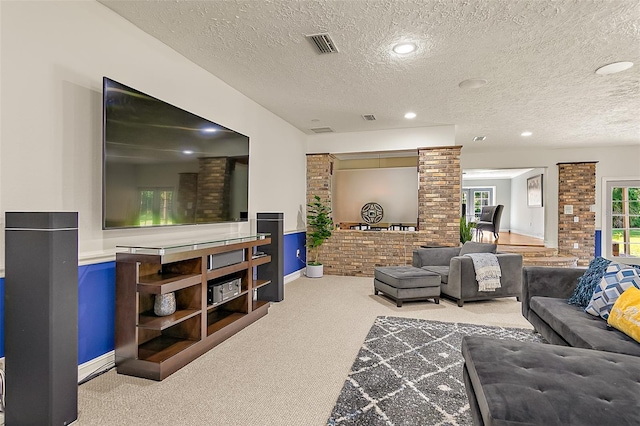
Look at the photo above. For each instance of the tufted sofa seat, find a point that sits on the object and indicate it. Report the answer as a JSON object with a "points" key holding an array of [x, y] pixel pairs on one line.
{"points": [[522, 383], [545, 292]]}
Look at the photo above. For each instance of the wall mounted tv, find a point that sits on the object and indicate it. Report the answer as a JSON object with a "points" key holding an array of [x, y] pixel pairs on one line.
{"points": [[165, 166]]}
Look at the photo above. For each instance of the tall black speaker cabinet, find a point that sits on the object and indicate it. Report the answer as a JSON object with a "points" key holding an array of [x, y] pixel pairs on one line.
{"points": [[41, 318], [272, 223]]}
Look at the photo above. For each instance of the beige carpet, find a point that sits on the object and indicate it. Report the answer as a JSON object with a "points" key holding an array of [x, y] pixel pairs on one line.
{"points": [[286, 369]]}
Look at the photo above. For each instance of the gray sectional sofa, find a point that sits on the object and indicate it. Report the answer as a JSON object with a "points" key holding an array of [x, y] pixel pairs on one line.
{"points": [[545, 292], [588, 375]]}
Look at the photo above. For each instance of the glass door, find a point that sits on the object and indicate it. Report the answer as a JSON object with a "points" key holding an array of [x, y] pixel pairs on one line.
{"points": [[622, 219]]}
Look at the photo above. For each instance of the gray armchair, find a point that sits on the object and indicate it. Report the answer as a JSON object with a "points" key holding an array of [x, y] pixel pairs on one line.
{"points": [[489, 220], [457, 274]]}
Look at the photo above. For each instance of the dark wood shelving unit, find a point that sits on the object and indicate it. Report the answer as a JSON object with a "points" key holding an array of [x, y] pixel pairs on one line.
{"points": [[154, 322], [260, 283], [215, 305], [154, 347]]}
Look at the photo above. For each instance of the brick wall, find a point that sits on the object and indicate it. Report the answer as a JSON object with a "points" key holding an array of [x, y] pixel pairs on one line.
{"points": [[319, 170], [351, 252], [576, 187], [214, 181], [439, 194], [357, 253]]}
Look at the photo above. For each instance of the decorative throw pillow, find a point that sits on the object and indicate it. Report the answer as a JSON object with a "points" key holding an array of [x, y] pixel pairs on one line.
{"points": [[473, 247], [588, 282], [615, 281], [625, 314]]}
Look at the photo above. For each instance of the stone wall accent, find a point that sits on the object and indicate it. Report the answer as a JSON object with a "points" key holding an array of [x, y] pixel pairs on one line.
{"points": [[439, 194], [577, 187], [214, 181], [356, 253]]}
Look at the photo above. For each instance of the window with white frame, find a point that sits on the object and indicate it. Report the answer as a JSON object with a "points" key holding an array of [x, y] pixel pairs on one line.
{"points": [[621, 224], [475, 199]]}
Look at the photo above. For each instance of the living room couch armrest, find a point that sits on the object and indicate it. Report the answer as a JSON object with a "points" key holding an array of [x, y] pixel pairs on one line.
{"points": [[462, 275], [549, 282], [434, 256]]}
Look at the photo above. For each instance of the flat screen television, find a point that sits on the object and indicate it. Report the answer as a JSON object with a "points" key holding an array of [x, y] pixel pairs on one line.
{"points": [[165, 166]]}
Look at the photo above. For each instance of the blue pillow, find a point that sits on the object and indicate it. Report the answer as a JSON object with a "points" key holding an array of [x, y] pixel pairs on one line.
{"points": [[588, 282]]}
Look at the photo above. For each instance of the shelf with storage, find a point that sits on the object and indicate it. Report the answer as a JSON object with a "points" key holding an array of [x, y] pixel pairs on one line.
{"points": [[215, 305], [153, 346], [259, 283]]}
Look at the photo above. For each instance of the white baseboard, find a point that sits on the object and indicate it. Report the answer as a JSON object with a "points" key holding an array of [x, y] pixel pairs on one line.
{"points": [[96, 365], [293, 276]]}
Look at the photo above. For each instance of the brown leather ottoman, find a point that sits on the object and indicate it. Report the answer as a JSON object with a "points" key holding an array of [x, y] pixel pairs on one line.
{"points": [[406, 283]]}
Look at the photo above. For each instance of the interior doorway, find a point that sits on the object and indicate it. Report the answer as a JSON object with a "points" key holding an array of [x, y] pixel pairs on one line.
{"points": [[522, 223]]}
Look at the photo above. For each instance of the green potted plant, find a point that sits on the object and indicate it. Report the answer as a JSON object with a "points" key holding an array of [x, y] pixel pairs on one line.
{"points": [[466, 230], [319, 228]]}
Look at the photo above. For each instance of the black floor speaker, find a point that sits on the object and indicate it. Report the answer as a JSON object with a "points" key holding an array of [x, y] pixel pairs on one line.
{"points": [[41, 318], [272, 223]]}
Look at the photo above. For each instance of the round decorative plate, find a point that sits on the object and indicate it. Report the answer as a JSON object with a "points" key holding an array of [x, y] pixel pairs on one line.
{"points": [[371, 212]]}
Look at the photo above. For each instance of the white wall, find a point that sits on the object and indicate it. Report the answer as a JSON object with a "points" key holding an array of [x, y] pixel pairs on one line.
{"points": [[613, 161], [54, 55], [381, 140], [502, 193], [527, 220], [394, 188]]}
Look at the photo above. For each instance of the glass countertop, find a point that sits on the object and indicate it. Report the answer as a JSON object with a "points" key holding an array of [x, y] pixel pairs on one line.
{"points": [[176, 246]]}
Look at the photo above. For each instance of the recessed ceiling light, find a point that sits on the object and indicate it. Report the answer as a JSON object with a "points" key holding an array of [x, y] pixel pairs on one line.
{"points": [[472, 83], [527, 133], [187, 151], [410, 115], [479, 138], [404, 48], [209, 130], [614, 68]]}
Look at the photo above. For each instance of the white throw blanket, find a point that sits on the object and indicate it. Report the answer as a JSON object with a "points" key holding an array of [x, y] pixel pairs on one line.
{"points": [[488, 271]]}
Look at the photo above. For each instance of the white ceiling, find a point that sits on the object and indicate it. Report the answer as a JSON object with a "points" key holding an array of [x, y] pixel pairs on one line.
{"points": [[493, 173], [539, 57]]}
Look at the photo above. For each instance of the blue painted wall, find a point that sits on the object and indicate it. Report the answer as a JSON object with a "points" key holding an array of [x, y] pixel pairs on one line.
{"points": [[292, 242], [97, 299], [598, 248], [96, 310]]}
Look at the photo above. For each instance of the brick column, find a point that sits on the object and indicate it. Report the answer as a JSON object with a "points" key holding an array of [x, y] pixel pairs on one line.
{"points": [[319, 170], [577, 187], [214, 180], [439, 194]]}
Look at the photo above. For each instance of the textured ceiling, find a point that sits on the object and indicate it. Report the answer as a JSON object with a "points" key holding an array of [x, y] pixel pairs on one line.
{"points": [[539, 57]]}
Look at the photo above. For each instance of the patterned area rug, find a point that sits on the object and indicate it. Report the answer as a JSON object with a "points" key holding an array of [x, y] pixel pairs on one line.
{"points": [[409, 372]]}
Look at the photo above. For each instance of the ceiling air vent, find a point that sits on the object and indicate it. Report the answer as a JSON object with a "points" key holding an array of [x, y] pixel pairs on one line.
{"points": [[323, 43], [369, 117], [322, 130], [479, 138]]}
